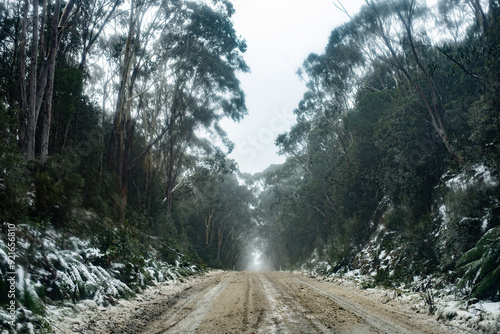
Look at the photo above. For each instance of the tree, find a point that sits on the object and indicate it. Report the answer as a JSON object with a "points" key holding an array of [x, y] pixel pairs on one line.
{"points": [[194, 66], [223, 208], [96, 15], [405, 55], [41, 83]]}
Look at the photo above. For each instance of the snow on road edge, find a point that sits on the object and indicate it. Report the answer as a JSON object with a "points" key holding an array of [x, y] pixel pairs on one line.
{"points": [[480, 316]]}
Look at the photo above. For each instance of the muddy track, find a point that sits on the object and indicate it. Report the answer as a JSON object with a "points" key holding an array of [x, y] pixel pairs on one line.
{"points": [[271, 302]]}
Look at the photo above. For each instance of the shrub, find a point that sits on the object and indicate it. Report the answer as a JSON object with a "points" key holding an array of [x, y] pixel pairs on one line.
{"points": [[58, 190], [15, 183]]}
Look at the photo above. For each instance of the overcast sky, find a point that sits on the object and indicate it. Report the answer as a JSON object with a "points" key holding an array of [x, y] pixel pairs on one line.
{"points": [[280, 34]]}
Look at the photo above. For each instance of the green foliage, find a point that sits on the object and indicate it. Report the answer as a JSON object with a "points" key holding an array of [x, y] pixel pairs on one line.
{"points": [[28, 298], [362, 153], [122, 244], [411, 155], [15, 186], [397, 219], [376, 139], [468, 202], [169, 254], [482, 266], [382, 277], [58, 190], [484, 121], [68, 85], [15, 180], [190, 67]]}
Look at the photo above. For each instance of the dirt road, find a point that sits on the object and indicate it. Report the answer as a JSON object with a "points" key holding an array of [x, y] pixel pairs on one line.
{"points": [[267, 302]]}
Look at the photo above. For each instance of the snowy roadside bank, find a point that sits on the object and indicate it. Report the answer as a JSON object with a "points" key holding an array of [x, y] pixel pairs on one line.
{"points": [[86, 316], [441, 304], [56, 277]]}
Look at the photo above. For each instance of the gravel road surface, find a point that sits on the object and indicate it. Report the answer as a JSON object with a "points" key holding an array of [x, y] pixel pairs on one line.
{"points": [[259, 302]]}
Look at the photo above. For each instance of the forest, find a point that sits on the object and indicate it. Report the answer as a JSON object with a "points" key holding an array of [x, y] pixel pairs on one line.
{"points": [[392, 165], [114, 166]]}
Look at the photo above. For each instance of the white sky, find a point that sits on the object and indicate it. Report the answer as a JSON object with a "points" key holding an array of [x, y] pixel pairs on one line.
{"points": [[280, 35]]}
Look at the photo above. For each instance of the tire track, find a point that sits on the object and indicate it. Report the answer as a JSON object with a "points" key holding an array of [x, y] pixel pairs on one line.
{"points": [[373, 320], [238, 309], [316, 314], [189, 314], [287, 315], [386, 319]]}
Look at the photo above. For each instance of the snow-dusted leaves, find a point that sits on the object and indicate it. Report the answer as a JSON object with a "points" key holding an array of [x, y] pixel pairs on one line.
{"points": [[482, 266]]}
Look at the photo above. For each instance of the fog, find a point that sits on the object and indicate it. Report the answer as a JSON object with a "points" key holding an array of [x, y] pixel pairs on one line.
{"points": [[255, 257]]}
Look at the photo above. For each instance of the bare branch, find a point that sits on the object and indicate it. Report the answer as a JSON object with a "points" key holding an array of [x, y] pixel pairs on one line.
{"points": [[340, 6], [459, 64]]}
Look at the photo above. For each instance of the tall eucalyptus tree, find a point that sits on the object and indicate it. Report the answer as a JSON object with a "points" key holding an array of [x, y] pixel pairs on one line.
{"points": [[179, 72], [195, 63], [40, 82]]}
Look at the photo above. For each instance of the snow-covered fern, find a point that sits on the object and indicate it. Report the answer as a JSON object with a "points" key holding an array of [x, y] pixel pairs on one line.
{"points": [[482, 266]]}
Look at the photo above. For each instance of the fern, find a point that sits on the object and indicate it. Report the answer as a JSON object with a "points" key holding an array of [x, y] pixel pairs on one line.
{"points": [[482, 266]]}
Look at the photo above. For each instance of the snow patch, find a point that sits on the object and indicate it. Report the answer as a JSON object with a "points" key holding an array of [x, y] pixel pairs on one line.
{"points": [[66, 276]]}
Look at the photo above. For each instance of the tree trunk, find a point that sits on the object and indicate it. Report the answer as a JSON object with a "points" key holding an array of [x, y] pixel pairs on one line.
{"points": [[42, 29], [103, 119], [29, 135], [170, 173], [220, 235], [49, 90], [481, 19], [122, 134], [43, 86], [89, 37], [22, 76], [208, 225]]}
